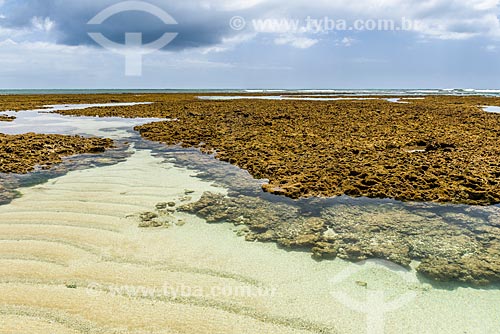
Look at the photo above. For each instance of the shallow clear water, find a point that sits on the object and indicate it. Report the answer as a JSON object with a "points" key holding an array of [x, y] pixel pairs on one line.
{"points": [[44, 121], [80, 228], [492, 109]]}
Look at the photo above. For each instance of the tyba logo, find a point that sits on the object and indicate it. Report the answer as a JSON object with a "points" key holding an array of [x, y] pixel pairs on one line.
{"points": [[133, 49]]}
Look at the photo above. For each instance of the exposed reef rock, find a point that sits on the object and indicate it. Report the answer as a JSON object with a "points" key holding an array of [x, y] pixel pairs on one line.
{"points": [[22, 153], [30, 102], [5, 118], [440, 149], [450, 244], [10, 182]]}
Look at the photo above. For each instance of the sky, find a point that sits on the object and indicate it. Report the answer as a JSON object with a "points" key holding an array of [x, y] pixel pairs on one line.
{"points": [[250, 44]]}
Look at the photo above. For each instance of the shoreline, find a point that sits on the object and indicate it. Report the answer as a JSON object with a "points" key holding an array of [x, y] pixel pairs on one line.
{"points": [[348, 231]]}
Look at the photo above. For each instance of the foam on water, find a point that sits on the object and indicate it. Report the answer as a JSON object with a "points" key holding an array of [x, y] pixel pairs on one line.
{"points": [[403, 92], [295, 98]]}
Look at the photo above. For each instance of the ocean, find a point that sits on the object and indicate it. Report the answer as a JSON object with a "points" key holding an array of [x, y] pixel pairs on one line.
{"points": [[399, 92]]}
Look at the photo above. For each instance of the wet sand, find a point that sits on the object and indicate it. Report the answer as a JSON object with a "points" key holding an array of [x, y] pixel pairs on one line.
{"points": [[63, 237], [72, 262]]}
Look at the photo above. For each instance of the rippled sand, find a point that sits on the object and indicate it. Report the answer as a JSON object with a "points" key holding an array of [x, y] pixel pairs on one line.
{"points": [[73, 260]]}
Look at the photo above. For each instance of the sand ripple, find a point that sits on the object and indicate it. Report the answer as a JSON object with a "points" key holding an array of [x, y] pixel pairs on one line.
{"points": [[68, 246]]}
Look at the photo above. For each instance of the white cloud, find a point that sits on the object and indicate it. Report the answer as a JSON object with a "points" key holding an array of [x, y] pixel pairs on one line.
{"points": [[230, 5], [74, 65], [17, 57], [298, 42], [12, 34], [491, 48], [42, 24], [362, 60], [346, 41], [167, 60], [437, 19], [441, 19], [432, 19], [485, 4], [228, 43]]}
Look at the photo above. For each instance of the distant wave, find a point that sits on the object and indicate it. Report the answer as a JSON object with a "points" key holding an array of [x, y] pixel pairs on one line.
{"points": [[328, 92]]}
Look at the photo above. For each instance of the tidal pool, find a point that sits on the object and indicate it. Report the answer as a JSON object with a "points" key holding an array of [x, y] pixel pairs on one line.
{"points": [[74, 259], [493, 109], [305, 98]]}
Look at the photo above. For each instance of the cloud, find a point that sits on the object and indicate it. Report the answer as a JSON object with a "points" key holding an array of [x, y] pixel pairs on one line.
{"points": [[296, 41], [199, 24], [491, 48], [84, 66], [346, 41], [230, 5], [227, 43], [43, 24], [363, 60], [204, 24]]}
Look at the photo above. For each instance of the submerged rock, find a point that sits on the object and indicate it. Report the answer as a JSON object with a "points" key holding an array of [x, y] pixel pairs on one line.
{"points": [[451, 245], [162, 217], [147, 216], [161, 206]]}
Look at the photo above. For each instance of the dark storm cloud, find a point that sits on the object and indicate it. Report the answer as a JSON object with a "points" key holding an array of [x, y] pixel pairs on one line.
{"points": [[205, 23], [198, 26]]}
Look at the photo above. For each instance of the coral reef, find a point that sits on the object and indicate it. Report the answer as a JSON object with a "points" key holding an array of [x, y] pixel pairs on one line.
{"points": [[451, 244], [22, 153], [441, 149]]}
